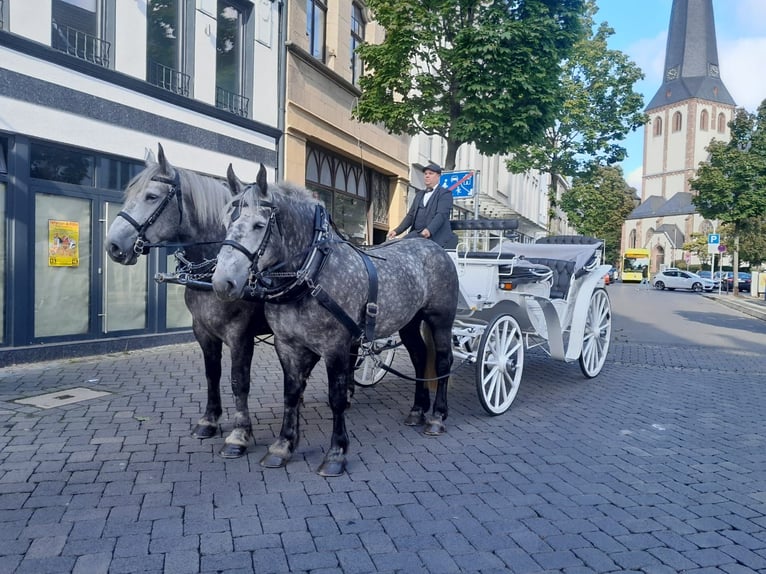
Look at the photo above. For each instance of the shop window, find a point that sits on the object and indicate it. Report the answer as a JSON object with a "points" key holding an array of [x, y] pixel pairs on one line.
{"points": [[169, 41], [357, 38], [62, 266], [3, 15], [233, 54], [61, 164], [3, 247], [79, 28], [116, 174], [704, 120], [316, 27], [342, 185]]}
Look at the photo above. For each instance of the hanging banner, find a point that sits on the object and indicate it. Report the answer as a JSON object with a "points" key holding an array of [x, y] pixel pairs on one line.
{"points": [[63, 243]]}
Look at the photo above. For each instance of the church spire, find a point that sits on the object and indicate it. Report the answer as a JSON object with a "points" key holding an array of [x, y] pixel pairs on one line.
{"points": [[691, 57]]}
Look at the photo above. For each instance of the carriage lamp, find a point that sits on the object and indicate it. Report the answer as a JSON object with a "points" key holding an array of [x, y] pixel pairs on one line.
{"points": [[506, 285]]}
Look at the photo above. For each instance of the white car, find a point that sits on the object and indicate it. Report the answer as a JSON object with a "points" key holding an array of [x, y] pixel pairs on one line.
{"points": [[672, 278]]}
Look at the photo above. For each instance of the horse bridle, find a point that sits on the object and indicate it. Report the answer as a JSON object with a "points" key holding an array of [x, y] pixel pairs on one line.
{"points": [[274, 221], [141, 246]]}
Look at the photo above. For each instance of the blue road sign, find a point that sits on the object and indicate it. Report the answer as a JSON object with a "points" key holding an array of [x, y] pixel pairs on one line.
{"points": [[460, 183], [713, 238]]}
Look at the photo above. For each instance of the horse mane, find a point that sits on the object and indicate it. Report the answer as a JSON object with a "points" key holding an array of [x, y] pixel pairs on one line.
{"points": [[207, 195], [280, 193]]}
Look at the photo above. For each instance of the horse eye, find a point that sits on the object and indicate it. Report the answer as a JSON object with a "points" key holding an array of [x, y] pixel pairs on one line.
{"points": [[258, 225], [151, 196]]}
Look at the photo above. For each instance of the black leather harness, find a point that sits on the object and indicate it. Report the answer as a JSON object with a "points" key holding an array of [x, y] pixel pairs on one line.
{"points": [[305, 280]]}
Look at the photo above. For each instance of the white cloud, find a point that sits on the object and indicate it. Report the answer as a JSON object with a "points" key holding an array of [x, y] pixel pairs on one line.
{"points": [[634, 178], [742, 69]]}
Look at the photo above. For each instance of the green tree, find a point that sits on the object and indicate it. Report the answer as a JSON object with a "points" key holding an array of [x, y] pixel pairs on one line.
{"points": [[730, 185], [752, 239], [469, 71], [601, 109], [697, 245], [597, 204]]}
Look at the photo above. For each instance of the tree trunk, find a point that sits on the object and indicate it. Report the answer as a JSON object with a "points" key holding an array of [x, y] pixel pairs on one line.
{"points": [[449, 161], [553, 191]]}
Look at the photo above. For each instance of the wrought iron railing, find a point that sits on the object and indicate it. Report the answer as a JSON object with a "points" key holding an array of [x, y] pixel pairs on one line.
{"points": [[80, 44], [169, 79], [231, 102]]}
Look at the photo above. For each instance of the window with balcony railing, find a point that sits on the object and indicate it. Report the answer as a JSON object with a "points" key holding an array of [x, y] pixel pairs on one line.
{"points": [[168, 78], [231, 102], [232, 57], [76, 29], [169, 41]]}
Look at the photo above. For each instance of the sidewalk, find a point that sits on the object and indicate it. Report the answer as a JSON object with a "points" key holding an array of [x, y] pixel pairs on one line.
{"points": [[753, 306]]}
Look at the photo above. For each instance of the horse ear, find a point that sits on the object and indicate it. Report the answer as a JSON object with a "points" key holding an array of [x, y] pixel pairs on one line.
{"points": [[261, 179], [149, 157], [162, 160], [235, 185]]}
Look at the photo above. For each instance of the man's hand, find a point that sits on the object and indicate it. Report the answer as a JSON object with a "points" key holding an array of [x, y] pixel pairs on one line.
{"points": [[391, 234], [425, 233]]}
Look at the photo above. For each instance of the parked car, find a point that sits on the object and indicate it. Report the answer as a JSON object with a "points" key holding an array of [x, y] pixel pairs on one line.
{"points": [[744, 280], [672, 278]]}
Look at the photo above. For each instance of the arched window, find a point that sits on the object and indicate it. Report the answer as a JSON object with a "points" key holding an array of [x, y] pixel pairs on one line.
{"points": [[677, 122], [657, 126], [632, 238], [704, 119], [721, 123]]}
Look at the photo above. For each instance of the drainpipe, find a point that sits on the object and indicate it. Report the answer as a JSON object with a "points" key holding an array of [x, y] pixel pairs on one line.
{"points": [[281, 88]]}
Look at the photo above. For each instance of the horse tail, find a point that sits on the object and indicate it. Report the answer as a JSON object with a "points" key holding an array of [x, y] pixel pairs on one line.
{"points": [[430, 371]]}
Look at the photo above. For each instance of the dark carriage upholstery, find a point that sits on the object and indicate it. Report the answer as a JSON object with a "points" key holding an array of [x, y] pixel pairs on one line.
{"points": [[562, 274], [564, 269]]}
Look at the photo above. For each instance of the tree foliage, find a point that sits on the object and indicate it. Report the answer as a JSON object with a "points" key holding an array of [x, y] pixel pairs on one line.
{"points": [[597, 204], [469, 71], [601, 109], [730, 185]]}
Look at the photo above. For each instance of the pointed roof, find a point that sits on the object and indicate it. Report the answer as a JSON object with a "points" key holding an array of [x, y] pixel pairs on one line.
{"points": [[691, 57]]}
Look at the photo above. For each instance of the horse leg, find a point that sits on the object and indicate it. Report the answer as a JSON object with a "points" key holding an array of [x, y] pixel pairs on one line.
{"points": [[441, 339], [239, 438], [338, 375], [297, 364], [416, 347], [211, 347]]}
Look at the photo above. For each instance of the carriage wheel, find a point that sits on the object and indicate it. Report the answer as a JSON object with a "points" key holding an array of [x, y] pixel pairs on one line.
{"points": [[368, 369], [500, 364], [598, 334]]}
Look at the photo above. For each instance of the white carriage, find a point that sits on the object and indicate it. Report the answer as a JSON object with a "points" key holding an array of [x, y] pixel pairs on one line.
{"points": [[548, 295]]}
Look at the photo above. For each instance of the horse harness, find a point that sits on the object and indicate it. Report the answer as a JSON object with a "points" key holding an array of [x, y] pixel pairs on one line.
{"points": [[141, 246], [261, 284]]}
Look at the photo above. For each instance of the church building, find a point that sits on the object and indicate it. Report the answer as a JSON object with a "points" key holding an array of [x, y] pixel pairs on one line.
{"points": [[691, 107]]}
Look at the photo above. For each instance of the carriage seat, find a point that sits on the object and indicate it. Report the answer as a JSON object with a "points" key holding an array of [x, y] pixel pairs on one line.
{"points": [[562, 274], [574, 240]]}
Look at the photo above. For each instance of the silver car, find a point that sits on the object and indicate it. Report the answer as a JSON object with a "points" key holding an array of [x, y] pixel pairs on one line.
{"points": [[672, 278]]}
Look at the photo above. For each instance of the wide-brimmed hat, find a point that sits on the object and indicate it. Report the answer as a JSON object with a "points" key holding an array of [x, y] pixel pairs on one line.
{"points": [[434, 167]]}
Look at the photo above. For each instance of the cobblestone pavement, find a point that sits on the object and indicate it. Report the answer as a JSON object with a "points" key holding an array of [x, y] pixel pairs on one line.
{"points": [[657, 465]]}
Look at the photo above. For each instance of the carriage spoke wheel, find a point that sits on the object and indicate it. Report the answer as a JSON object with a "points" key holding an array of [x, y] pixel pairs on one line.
{"points": [[370, 369], [598, 334], [500, 364]]}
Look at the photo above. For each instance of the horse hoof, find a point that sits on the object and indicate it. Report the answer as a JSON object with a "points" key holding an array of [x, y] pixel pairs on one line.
{"points": [[233, 451], [204, 431], [271, 460], [332, 468], [415, 418], [434, 427]]}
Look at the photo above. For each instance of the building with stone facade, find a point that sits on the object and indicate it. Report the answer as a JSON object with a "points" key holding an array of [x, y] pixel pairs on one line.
{"points": [[691, 107]]}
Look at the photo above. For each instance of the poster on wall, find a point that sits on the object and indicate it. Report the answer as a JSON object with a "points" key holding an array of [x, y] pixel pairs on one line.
{"points": [[63, 243]]}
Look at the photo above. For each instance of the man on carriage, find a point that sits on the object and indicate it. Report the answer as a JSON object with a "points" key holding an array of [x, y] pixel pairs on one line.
{"points": [[429, 213]]}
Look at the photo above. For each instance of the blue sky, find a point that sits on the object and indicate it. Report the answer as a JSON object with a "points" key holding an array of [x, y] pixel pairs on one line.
{"points": [[640, 28]]}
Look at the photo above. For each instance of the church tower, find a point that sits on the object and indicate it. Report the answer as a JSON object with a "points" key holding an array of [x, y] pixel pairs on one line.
{"points": [[691, 107]]}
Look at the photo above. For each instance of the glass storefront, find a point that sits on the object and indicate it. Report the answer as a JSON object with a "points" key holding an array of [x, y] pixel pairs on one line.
{"points": [[62, 265]]}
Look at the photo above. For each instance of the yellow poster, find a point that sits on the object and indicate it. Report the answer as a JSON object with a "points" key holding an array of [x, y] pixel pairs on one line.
{"points": [[63, 243]]}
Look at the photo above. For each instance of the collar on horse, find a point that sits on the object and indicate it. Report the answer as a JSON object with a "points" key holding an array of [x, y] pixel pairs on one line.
{"points": [[261, 284], [141, 246]]}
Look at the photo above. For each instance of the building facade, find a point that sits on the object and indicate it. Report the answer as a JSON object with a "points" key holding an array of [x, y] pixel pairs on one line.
{"points": [[87, 90], [691, 107], [359, 170]]}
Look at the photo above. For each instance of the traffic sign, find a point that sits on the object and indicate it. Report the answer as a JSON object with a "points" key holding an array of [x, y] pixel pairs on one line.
{"points": [[713, 238], [722, 248], [460, 183]]}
